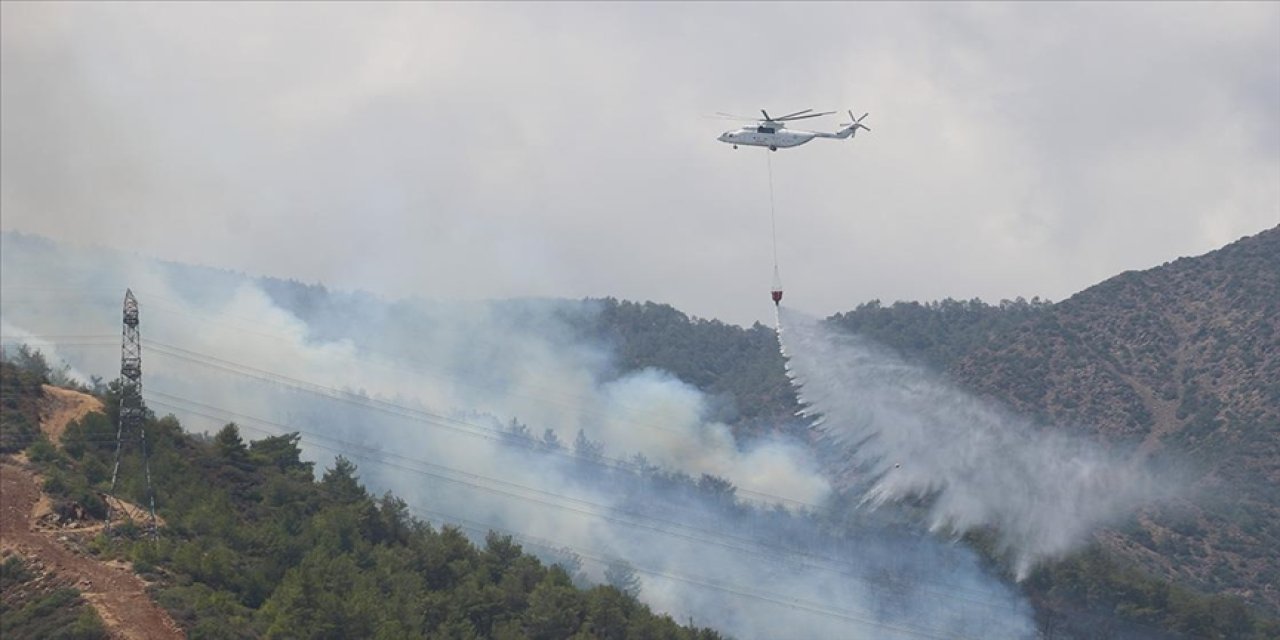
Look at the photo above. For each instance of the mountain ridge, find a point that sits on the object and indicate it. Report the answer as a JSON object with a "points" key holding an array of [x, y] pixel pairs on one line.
{"points": [[1177, 362]]}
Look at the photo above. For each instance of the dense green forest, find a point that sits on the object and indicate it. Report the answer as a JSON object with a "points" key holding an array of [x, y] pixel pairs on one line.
{"points": [[1178, 359], [254, 546], [1091, 590], [20, 398], [742, 368]]}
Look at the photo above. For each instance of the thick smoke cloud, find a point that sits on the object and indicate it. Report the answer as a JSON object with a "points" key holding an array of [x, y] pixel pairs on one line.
{"points": [[423, 398], [513, 149], [902, 432]]}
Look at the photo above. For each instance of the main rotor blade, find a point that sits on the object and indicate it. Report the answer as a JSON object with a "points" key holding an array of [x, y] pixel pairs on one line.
{"points": [[812, 115], [766, 115], [792, 114]]}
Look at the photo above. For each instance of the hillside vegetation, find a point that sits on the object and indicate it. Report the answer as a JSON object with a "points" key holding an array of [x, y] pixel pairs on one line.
{"points": [[255, 546], [1183, 360], [34, 604], [1180, 362], [740, 369]]}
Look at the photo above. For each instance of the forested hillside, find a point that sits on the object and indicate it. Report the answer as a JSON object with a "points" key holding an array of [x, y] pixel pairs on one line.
{"points": [[1178, 363], [740, 370], [254, 546], [34, 602], [1181, 362], [1184, 359], [935, 334]]}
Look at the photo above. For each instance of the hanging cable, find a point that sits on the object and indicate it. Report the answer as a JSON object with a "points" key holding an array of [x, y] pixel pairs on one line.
{"points": [[776, 291]]}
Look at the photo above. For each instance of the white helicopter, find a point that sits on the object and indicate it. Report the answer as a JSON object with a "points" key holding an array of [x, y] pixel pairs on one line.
{"points": [[772, 132]]}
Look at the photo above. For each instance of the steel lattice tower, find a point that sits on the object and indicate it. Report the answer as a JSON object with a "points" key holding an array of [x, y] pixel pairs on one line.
{"points": [[132, 411]]}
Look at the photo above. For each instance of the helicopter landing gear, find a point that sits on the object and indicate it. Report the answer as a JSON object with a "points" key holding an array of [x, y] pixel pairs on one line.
{"points": [[772, 148], [735, 146]]}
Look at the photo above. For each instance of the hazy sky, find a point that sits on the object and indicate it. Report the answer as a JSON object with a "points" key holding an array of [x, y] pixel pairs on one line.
{"points": [[496, 150]]}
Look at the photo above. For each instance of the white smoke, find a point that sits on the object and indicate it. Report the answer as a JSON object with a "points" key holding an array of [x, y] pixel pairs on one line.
{"points": [[906, 433], [17, 337], [422, 397]]}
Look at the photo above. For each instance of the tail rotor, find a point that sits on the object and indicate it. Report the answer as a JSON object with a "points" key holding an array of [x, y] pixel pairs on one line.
{"points": [[855, 124]]}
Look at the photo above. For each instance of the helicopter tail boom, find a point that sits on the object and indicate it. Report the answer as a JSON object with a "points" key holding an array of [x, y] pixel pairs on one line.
{"points": [[848, 129]]}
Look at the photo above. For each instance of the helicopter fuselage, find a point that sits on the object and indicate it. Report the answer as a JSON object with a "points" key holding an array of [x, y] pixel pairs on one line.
{"points": [[767, 136]]}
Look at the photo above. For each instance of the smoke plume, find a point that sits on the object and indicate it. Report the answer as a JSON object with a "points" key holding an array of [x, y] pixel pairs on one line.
{"points": [[903, 433], [502, 416]]}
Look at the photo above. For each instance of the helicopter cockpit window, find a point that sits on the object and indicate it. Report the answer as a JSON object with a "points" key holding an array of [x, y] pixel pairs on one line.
{"points": [[765, 130]]}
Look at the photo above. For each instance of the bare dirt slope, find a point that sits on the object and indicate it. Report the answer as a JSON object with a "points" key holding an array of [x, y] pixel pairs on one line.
{"points": [[61, 407], [118, 595]]}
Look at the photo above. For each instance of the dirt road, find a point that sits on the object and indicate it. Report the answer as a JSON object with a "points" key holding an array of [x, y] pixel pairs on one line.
{"points": [[117, 594]]}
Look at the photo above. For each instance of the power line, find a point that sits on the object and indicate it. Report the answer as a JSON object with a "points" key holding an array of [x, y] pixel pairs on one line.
{"points": [[456, 425], [372, 455], [794, 603], [547, 394], [412, 413], [801, 559], [453, 424]]}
